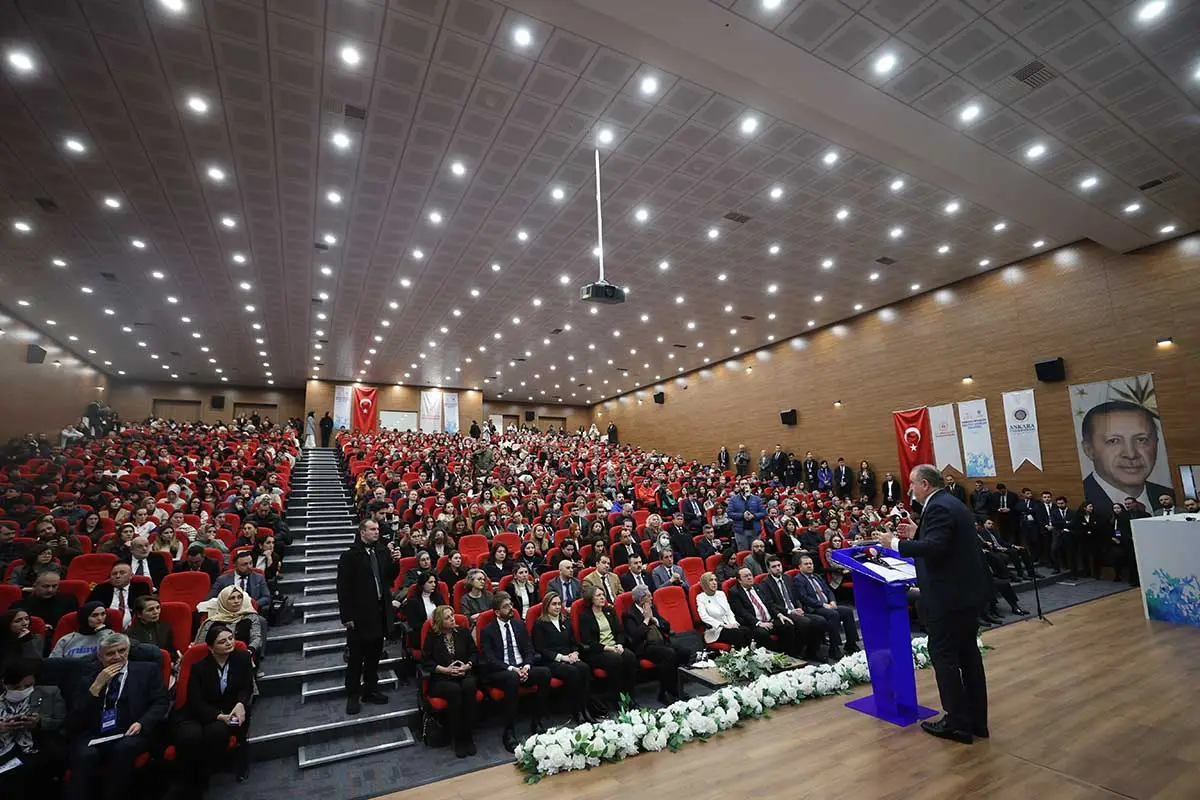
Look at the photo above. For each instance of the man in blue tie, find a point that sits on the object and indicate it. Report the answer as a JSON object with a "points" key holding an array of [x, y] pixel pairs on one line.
{"points": [[817, 598]]}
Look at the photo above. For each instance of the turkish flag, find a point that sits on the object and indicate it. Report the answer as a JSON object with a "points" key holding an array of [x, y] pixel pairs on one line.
{"points": [[364, 412], [914, 440]]}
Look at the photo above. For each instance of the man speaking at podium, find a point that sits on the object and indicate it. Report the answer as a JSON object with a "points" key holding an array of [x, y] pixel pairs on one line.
{"points": [[953, 584]]}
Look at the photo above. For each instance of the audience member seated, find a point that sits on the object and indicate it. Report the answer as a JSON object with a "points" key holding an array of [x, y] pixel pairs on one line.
{"points": [[196, 561], [454, 571], [233, 609], [65, 547], [39, 558], [115, 717], [141, 563], [477, 598], [10, 549], [668, 573], [497, 564], [565, 584], [1001, 554], [781, 594], [246, 579], [756, 562], [31, 721], [166, 542], [84, 642], [603, 578], [449, 656], [421, 605], [554, 642], [720, 624], [837, 573], [603, 641], [637, 575], [754, 609], [413, 574], [119, 591], [148, 629], [219, 691], [16, 638], [206, 536], [816, 598], [508, 665], [523, 589], [265, 559], [120, 545], [649, 637], [47, 603]]}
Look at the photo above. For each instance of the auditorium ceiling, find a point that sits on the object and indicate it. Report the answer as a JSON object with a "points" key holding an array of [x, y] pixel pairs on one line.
{"points": [[268, 191]]}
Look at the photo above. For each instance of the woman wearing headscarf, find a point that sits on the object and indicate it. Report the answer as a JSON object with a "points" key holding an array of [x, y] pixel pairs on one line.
{"points": [[84, 642], [234, 609]]}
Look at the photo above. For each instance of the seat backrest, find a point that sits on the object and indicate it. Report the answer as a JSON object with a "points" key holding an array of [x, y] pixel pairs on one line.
{"points": [[460, 589], [80, 589], [544, 581], [91, 567], [693, 592], [9, 595], [531, 616], [622, 603], [482, 621], [472, 545], [672, 603], [693, 568], [510, 540], [185, 587], [710, 564], [179, 617], [576, 610]]}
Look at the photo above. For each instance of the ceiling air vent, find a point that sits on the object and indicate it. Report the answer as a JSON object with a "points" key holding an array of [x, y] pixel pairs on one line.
{"points": [[321, 246], [556, 331], [748, 317], [108, 276], [1158, 182], [887, 262], [143, 324], [176, 353], [47, 204], [355, 112], [1035, 74], [680, 346], [739, 218]]}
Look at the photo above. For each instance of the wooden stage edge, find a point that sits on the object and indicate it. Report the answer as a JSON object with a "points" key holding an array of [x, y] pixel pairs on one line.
{"points": [[1102, 704]]}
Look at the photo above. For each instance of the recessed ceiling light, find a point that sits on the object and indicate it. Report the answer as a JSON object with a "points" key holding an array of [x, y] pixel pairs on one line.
{"points": [[557, 193], [679, 300], [604, 136], [58, 262], [713, 233], [197, 104], [776, 192], [916, 287], [522, 37], [75, 146], [952, 207], [983, 262], [474, 293], [1035, 151], [641, 215], [329, 238], [874, 276], [20, 61], [340, 140], [245, 286], [216, 174], [350, 56], [1040, 243], [858, 306], [896, 185], [818, 298], [885, 64], [771, 5], [323, 296], [238, 258], [1166, 229], [85, 289], [174, 6], [827, 264], [110, 312], [158, 274], [418, 254], [970, 112], [522, 236], [999, 226], [749, 124], [896, 232], [842, 214], [138, 243], [649, 86], [773, 249], [112, 202], [22, 226], [405, 282], [1133, 208], [1089, 182], [172, 299], [495, 267], [229, 222], [772, 288], [830, 158], [943, 249], [1151, 10], [722, 276], [435, 217], [333, 196], [24, 303], [663, 265]]}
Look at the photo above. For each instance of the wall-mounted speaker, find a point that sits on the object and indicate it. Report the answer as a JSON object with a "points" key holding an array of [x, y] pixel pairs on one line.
{"points": [[35, 354], [529, 416], [788, 416], [218, 401], [660, 397], [1050, 370]]}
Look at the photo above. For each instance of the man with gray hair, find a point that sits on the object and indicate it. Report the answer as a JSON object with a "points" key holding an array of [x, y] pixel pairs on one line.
{"points": [[955, 588], [122, 706]]}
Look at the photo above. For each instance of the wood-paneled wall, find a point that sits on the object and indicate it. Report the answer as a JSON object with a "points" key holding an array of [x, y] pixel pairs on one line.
{"points": [[1102, 311], [135, 399], [42, 398], [574, 415]]}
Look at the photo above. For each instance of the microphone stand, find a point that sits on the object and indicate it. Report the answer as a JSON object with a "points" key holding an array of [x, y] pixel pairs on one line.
{"points": [[1037, 598]]}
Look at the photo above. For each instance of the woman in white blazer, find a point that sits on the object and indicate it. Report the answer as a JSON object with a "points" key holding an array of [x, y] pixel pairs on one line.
{"points": [[719, 623]]}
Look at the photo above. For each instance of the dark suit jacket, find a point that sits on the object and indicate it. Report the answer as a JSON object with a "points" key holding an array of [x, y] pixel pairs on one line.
{"points": [[434, 652], [743, 609], [205, 700], [627, 581], [706, 549], [892, 492], [620, 554], [209, 566], [681, 542], [357, 601], [103, 593], [770, 589], [256, 587], [1092, 493], [950, 567], [958, 491], [693, 514], [492, 645], [843, 478], [555, 585], [636, 629], [1010, 502], [589, 631], [143, 699], [807, 596], [1041, 516], [414, 611], [1063, 518], [550, 641]]}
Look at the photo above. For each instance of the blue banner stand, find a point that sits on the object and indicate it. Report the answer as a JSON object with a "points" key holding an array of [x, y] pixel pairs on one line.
{"points": [[882, 607]]}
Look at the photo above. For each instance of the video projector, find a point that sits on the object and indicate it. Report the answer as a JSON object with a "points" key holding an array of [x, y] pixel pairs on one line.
{"points": [[602, 292]]}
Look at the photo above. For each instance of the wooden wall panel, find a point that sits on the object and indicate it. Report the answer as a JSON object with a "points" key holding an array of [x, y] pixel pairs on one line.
{"points": [[574, 415], [42, 398], [135, 399], [1101, 311]]}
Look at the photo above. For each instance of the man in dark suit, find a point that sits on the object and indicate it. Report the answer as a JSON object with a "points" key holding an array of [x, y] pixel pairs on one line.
{"points": [[755, 610], [779, 461], [143, 562], [681, 537], [892, 491], [636, 576], [693, 511], [120, 591], [626, 547], [1063, 522], [956, 489], [816, 598], [710, 545], [1121, 440], [326, 426], [981, 501], [196, 561], [811, 630], [566, 585], [810, 472], [48, 603], [843, 479], [123, 697], [245, 578], [365, 574], [508, 658], [1002, 507], [1042, 530], [954, 589]]}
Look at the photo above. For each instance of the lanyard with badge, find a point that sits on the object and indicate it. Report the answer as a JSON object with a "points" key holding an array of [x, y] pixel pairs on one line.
{"points": [[108, 714]]}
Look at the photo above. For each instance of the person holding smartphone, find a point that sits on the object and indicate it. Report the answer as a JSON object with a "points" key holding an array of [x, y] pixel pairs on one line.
{"points": [[31, 718]]}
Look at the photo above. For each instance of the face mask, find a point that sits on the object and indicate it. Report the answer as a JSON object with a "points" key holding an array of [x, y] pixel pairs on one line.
{"points": [[18, 695]]}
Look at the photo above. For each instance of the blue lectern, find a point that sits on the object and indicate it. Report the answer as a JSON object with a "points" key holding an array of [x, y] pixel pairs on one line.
{"points": [[882, 608]]}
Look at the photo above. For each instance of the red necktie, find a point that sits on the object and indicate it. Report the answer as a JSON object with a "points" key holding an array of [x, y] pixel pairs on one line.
{"points": [[759, 608], [121, 600]]}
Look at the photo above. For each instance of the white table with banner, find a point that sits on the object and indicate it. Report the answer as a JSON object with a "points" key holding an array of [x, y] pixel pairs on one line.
{"points": [[1168, 563]]}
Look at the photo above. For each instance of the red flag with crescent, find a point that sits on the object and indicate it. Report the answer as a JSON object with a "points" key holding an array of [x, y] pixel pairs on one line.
{"points": [[364, 411], [914, 440]]}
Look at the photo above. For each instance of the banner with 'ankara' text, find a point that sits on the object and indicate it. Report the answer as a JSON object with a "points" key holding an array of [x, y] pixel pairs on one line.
{"points": [[1020, 420]]}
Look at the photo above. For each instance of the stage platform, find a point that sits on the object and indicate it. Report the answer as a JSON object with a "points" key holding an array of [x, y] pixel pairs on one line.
{"points": [[1101, 705]]}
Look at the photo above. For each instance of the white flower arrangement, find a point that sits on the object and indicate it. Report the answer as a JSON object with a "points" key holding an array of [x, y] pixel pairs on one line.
{"points": [[636, 731]]}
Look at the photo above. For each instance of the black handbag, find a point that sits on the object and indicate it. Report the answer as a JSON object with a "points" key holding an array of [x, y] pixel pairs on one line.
{"points": [[433, 732], [283, 610]]}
